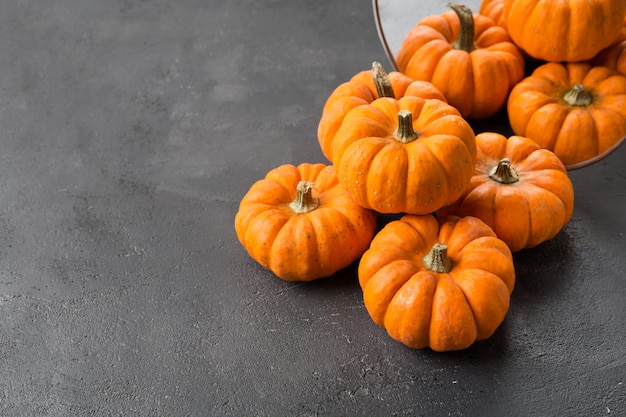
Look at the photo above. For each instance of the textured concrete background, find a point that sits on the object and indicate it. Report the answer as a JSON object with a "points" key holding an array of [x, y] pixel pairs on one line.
{"points": [[129, 131]]}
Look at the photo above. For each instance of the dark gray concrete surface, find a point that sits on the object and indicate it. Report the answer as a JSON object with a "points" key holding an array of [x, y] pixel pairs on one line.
{"points": [[129, 131]]}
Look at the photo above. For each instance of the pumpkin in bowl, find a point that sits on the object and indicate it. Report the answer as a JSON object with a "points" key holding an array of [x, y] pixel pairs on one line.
{"points": [[493, 9], [576, 110], [467, 56], [564, 31]]}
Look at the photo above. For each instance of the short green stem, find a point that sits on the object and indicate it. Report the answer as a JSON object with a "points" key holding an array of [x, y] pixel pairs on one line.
{"points": [[381, 80], [437, 260], [304, 202], [405, 132], [578, 96], [504, 173]]}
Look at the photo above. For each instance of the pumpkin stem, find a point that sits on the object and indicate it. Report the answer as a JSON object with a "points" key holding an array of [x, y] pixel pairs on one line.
{"points": [[381, 80], [304, 201], [437, 259], [578, 96], [465, 41], [504, 173], [405, 132]]}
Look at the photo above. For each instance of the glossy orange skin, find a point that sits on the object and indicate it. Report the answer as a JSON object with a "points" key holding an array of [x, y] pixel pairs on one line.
{"points": [[418, 177], [442, 311], [524, 213], [477, 83], [564, 31], [302, 246], [575, 133], [362, 90]]}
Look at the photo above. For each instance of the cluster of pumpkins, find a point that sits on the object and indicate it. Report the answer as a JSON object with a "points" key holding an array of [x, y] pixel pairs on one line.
{"points": [[439, 272]]}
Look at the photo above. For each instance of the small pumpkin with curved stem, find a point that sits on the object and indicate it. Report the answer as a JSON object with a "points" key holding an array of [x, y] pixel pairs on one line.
{"points": [[576, 110], [442, 284], [363, 88], [411, 155], [520, 190], [300, 223], [564, 31], [469, 58]]}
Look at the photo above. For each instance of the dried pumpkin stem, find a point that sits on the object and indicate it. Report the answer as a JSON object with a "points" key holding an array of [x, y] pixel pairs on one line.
{"points": [[381, 80], [437, 260], [465, 41], [405, 132], [578, 96], [304, 201], [504, 173]]}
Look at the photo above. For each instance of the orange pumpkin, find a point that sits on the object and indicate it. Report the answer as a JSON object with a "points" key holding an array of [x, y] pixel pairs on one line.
{"points": [[576, 110], [411, 155], [300, 223], [363, 88], [469, 58], [569, 31], [520, 190], [493, 9], [440, 284], [614, 56]]}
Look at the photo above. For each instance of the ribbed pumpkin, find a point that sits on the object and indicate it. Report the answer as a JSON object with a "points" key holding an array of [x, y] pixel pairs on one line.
{"points": [[469, 58], [568, 31], [576, 110], [440, 284], [411, 155], [614, 56], [520, 190], [300, 223], [494, 10], [363, 88]]}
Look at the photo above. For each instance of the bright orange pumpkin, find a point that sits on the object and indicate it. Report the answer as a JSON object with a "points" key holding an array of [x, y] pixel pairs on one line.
{"points": [[564, 31], [300, 223], [576, 110], [440, 284], [520, 190], [411, 155], [363, 88], [614, 56], [469, 58], [493, 9]]}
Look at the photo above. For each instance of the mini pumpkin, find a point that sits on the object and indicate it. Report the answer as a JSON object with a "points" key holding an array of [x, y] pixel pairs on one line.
{"points": [[493, 9], [614, 56], [300, 223], [442, 284], [568, 31], [411, 155], [469, 58], [576, 110], [520, 190], [363, 88]]}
